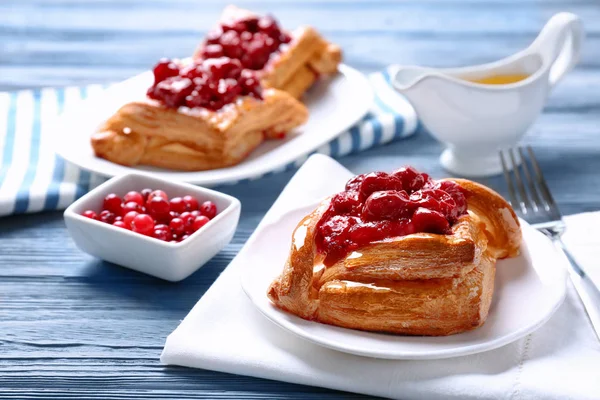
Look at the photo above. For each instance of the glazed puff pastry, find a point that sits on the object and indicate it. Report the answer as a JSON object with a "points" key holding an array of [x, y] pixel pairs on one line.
{"points": [[417, 284]]}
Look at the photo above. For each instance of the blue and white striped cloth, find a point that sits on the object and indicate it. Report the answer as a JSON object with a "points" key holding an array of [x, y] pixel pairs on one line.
{"points": [[33, 178]]}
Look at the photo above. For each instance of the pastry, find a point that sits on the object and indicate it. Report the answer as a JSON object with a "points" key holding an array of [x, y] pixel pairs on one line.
{"points": [[202, 115], [399, 253], [290, 61], [240, 88]]}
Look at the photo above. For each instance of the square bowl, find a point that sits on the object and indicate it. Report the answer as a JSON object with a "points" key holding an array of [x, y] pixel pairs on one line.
{"points": [[165, 260]]}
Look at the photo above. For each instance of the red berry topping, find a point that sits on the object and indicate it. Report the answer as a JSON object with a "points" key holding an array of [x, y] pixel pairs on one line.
{"points": [[191, 203], [177, 225], [208, 209], [136, 197], [199, 222], [177, 205], [112, 203], [90, 214], [128, 218], [143, 223], [119, 224], [165, 69], [378, 206]]}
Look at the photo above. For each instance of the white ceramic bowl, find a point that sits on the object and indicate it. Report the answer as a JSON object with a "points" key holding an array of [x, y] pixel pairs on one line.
{"points": [[165, 260]]}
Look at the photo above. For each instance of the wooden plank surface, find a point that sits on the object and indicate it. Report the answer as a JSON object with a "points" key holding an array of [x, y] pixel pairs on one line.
{"points": [[75, 327]]}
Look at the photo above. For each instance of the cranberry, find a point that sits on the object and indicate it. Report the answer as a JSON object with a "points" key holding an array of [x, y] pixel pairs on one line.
{"points": [[120, 224], [195, 213], [135, 197], [131, 206], [128, 218], [191, 203], [143, 223], [173, 214], [118, 218], [112, 203], [250, 84], [231, 44], [212, 37], [208, 209], [431, 221], [161, 234], [182, 238], [177, 225], [378, 181], [162, 226], [165, 69], [145, 193], [90, 214], [158, 207], [107, 217], [238, 26], [229, 89], [389, 204], [177, 205], [354, 183], [158, 193], [199, 222]]}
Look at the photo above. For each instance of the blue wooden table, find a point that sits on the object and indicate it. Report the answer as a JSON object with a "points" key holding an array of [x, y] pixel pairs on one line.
{"points": [[74, 327]]}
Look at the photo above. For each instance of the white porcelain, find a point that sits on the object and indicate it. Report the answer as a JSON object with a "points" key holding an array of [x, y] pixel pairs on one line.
{"points": [[476, 120], [169, 261], [335, 105], [528, 290]]}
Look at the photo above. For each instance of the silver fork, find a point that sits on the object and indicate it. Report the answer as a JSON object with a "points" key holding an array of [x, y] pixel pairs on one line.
{"points": [[534, 203]]}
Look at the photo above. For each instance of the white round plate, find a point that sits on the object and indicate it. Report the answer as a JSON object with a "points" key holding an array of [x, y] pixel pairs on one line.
{"points": [[528, 290], [335, 105]]}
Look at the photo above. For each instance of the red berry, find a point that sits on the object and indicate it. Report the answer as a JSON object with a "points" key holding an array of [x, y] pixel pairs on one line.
{"points": [[208, 209], [161, 227], [107, 216], [145, 193], [177, 205], [131, 206], [90, 214], [173, 241], [195, 213], [185, 216], [162, 234], [112, 203], [184, 237], [135, 197], [118, 218], [165, 69], [158, 207], [157, 193], [199, 222], [143, 223], [128, 219], [191, 203], [119, 224], [177, 225]]}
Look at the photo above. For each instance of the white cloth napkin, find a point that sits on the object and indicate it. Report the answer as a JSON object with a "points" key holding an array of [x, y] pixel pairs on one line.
{"points": [[224, 332]]}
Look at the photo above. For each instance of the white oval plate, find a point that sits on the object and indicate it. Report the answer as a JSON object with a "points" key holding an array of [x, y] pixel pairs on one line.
{"points": [[528, 290], [335, 105]]}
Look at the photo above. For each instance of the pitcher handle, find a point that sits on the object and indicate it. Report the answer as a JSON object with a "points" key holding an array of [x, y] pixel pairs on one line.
{"points": [[559, 44]]}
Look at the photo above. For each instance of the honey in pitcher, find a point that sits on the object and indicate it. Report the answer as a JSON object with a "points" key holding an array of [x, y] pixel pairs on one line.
{"points": [[500, 79]]}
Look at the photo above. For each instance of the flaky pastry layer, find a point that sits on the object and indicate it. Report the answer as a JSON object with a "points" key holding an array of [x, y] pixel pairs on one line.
{"points": [[420, 284], [146, 133]]}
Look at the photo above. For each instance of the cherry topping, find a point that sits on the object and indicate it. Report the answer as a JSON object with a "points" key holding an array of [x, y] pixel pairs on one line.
{"points": [[208, 209], [90, 214], [112, 203], [136, 197], [378, 205], [143, 223]]}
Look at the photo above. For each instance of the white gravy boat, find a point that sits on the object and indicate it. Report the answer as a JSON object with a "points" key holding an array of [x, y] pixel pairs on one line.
{"points": [[476, 120]]}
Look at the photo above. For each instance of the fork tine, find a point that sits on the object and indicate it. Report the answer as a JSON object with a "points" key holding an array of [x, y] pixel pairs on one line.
{"points": [[511, 189], [550, 206], [537, 203], [525, 202]]}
